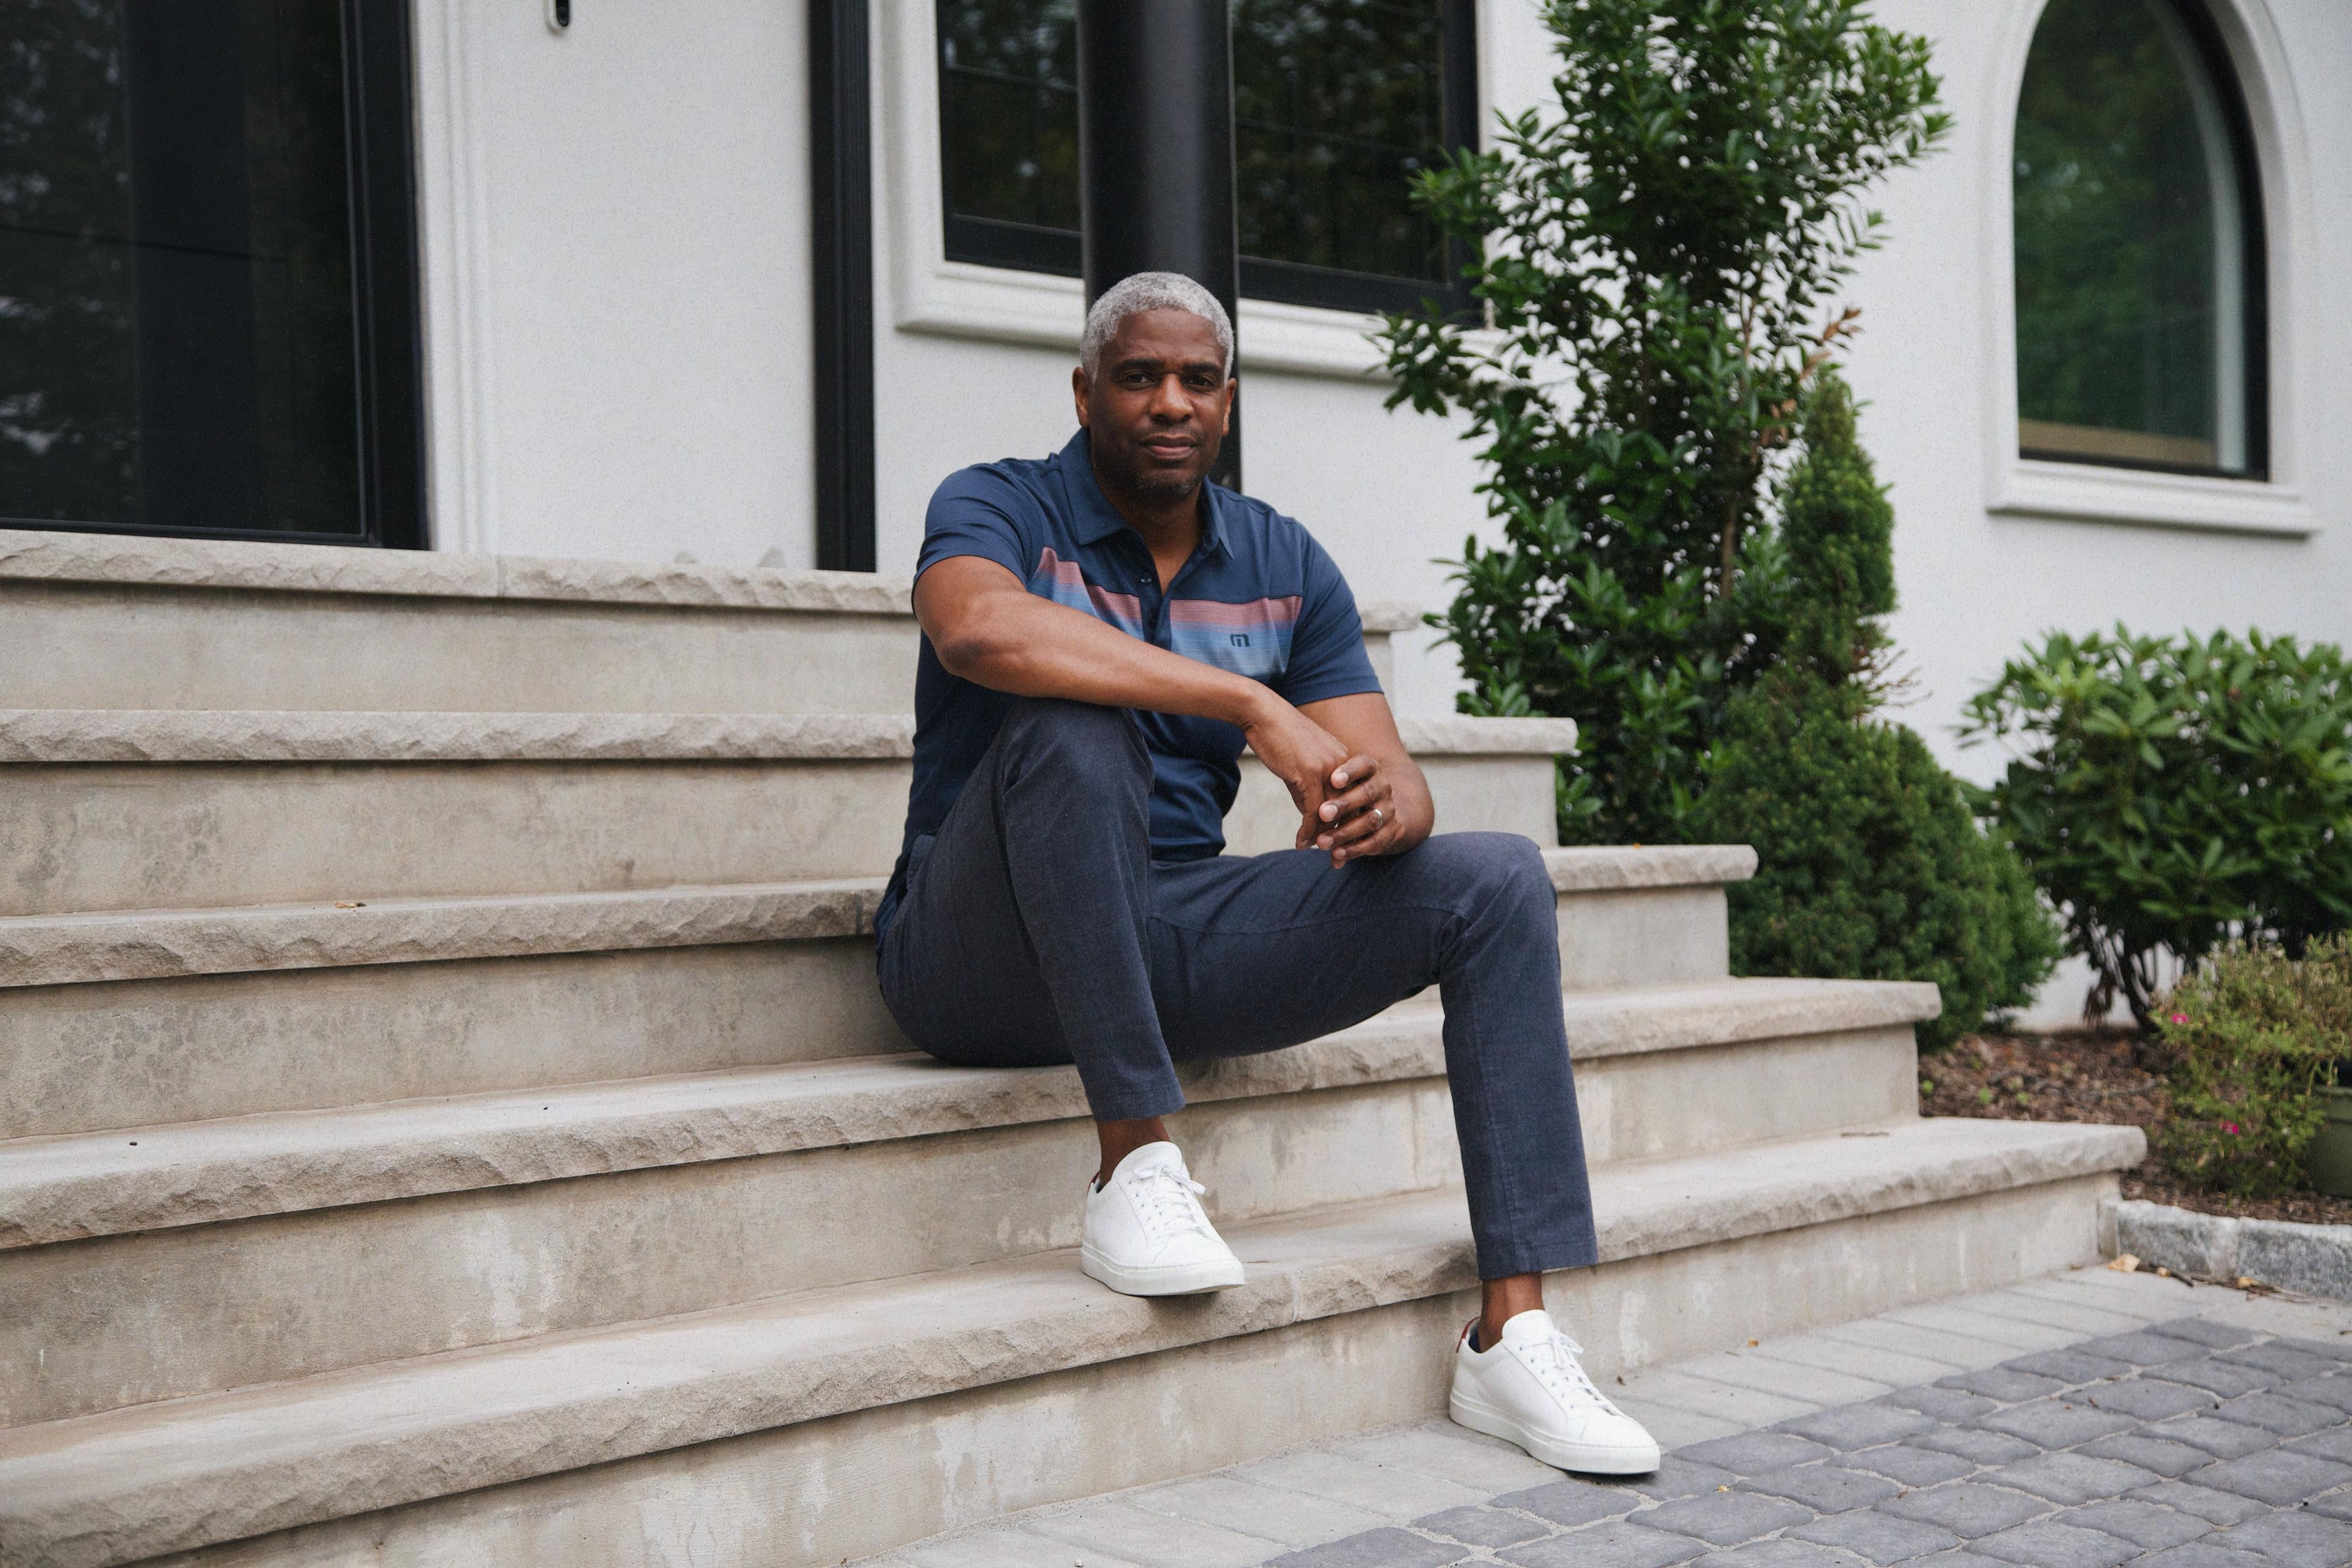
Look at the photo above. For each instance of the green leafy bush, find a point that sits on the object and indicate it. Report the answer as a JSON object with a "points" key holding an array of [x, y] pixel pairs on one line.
{"points": [[1656, 254], [2255, 1035], [1871, 864], [2170, 794]]}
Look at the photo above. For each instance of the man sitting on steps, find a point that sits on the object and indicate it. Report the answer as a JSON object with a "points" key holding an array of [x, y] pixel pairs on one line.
{"points": [[1103, 632]]}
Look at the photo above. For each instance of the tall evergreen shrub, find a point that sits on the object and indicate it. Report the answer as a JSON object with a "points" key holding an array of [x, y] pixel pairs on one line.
{"points": [[1871, 864], [1658, 253]]}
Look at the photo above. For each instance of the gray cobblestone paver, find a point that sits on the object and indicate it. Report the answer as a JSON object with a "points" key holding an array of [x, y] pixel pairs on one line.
{"points": [[1386, 1547], [2070, 1478], [1484, 1525], [1779, 1553], [2299, 1539], [2167, 1458], [1913, 1466], [2002, 1384], [1726, 1518], [1824, 1488], [2275, 1411], [2334, 1391], [1970, 1443], [2222, 1439], [1942, 1404], [2048, 1543], [2201, 1554], [2150, 1398], [2172, 1428], [2224, 1379], [1875, 1537], [2202, 1502], [1967, 1509], [2053, 1423]]}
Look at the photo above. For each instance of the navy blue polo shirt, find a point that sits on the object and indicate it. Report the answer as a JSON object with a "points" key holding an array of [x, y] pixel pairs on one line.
{"points": [[1258, 597]]}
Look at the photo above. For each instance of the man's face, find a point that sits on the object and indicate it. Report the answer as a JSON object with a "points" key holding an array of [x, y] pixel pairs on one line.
{"points": [[1159, 408]]}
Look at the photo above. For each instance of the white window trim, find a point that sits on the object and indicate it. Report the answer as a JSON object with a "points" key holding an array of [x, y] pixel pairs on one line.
{"points": [[929, 293], [2028, 487]]}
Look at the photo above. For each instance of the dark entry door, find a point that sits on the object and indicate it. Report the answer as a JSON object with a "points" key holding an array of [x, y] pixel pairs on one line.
{"points": [[208, 319]]}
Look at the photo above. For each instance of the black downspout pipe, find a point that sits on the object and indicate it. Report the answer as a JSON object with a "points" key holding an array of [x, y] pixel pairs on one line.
{"points": [[1156, 153], [840, 233]]}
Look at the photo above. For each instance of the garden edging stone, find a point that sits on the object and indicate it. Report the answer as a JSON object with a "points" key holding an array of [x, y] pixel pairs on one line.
{"points": [[2314, 1258]]}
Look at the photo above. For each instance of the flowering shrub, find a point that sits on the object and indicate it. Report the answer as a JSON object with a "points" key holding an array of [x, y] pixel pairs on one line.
{"points": [[2255, 1035]]}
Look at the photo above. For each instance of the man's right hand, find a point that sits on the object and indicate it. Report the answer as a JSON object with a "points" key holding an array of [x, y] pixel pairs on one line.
{"points": [[1302, 754]]}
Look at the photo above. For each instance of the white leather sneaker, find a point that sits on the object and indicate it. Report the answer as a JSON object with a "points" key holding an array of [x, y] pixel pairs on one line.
{"points": [[1145, 1233], [1532, 1391]]}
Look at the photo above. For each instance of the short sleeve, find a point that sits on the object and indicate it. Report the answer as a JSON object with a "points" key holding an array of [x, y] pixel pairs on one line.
{"points": [[1327, 647], [980, 512]]}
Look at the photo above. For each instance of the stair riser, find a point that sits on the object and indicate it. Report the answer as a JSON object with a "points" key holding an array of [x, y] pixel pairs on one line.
{"points": [[1644, 936], [78, 1059], [340, 1287], [107, 835], [871, 1481], [144, 836], [69, 646], [90, 646]]}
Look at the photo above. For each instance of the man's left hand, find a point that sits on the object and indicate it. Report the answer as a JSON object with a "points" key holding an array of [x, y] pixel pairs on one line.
{"points": [[1359, 817]]}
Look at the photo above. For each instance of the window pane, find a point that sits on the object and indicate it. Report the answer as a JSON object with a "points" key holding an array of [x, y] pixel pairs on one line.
{"points": [[2131, 287], [1336, 104], [177, 332], [1008, 126]]}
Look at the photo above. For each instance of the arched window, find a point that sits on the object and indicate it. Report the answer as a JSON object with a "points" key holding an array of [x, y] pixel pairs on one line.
{"points": [[2139, 278]]}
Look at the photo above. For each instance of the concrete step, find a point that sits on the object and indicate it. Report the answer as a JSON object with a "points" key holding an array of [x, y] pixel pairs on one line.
{"points": [[809, 1428], [99, 621], [425, 1225], [124, 809], [134, 1018]]}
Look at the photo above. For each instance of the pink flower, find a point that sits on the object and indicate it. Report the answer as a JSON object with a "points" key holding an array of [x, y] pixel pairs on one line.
{"points": [[2179, 1018], [2230, 1127]]}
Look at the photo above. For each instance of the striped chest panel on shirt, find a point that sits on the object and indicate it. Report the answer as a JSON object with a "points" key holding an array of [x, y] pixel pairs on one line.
{"points": [[1251, 638]]}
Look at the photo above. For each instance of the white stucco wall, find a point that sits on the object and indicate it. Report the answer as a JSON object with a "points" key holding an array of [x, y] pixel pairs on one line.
{"points": [[615, 238]]}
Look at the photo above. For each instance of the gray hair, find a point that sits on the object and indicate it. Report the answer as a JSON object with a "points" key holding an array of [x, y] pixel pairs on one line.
{"points": [[1142, 291]]}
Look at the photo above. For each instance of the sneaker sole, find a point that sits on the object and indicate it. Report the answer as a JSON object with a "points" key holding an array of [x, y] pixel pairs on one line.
{"points": [[1588, 1460], [1191, 1279]]}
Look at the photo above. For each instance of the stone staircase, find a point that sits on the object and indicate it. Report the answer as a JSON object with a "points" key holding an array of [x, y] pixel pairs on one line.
{"points": [[445, 1116]]}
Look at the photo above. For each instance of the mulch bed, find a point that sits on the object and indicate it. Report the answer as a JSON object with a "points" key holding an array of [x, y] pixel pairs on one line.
{"points": [[2090, 1075]]}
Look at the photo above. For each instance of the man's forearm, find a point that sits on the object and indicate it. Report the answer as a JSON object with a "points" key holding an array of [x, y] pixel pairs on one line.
{"points": [[1031, 647]]}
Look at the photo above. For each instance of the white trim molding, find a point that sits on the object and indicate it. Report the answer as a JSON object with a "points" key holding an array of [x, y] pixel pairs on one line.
{"points": [[453, 223], [2027, 486], [929, 293]]}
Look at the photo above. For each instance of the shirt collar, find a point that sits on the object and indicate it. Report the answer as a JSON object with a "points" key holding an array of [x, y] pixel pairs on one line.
{"points": [[1092, 517]]}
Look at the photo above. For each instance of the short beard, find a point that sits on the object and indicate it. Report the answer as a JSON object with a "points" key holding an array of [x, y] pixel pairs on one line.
{"points": [[1156, 489]]}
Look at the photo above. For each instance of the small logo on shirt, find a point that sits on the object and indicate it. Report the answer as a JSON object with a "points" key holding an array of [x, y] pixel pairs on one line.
{"points": [[1240, 639]]}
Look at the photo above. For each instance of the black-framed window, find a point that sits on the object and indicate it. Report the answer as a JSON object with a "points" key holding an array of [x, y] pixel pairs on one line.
{"points": [[2139, 244], [1336, 104], [208, 318]]}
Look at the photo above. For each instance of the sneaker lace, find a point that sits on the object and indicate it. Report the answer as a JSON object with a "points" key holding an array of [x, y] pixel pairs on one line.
{"points": [[1170, 1201], [1554, 1363]]}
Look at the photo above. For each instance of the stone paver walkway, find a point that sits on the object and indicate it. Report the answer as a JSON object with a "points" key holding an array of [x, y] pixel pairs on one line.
{"points": [[2083, 1420]]}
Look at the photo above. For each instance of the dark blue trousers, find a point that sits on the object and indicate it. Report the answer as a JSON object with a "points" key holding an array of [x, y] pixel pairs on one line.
{"points": [[1035, 927]]}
